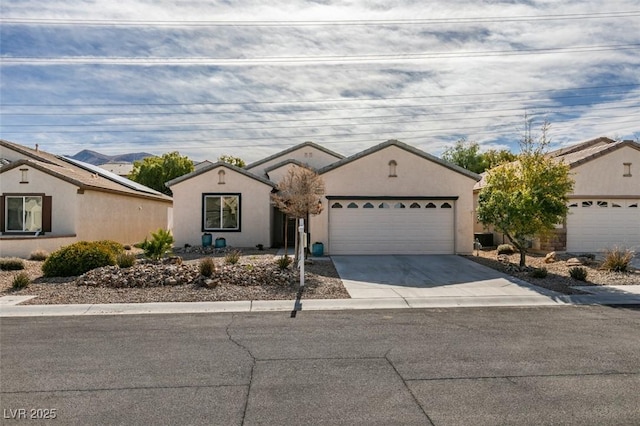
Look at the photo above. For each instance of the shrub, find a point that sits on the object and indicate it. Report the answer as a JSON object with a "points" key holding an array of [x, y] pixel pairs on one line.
{"points": [[617, 259], [126, 260], [578, 273], [539, 272], [160, 244], [506, 249], [11, 264], [207, 267], [78, 258], [232, 257], [38, 255], [21, 281], [284, 262]]}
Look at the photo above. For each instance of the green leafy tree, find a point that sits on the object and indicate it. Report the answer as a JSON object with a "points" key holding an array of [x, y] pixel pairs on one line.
{"points": [[298, 196], [155, 171], [527, 197], [234, 161], [467, 154]]}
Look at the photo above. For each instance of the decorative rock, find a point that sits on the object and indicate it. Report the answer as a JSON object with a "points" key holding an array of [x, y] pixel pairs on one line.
{"points": [[550, 257], [574, 261]]}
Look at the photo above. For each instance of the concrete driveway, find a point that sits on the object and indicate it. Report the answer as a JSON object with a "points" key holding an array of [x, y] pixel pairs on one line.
{"points": [[428, 276]]}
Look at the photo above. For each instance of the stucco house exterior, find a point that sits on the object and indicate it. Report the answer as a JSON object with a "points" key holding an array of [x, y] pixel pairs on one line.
{"points": [[604, 207], [389, 199], [48, 201]]}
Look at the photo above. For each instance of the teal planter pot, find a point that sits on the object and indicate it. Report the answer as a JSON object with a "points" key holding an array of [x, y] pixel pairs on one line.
{"points": [[317, 249], [221, 242], [206, 240]]}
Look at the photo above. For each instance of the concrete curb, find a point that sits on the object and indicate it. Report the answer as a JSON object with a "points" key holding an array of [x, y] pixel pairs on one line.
{"points": [[8, 311]]}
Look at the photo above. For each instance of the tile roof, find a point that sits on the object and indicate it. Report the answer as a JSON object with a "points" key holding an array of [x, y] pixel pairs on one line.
{"points": [[291, 149], [212, 166]]}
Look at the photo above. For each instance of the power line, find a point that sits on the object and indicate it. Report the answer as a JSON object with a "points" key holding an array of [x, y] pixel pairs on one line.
{"points": [[554, 109], [569, 89], [303, 23], [188, 61]]}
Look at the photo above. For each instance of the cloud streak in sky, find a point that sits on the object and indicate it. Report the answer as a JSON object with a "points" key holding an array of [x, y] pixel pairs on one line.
{"points": [[250, 78]]}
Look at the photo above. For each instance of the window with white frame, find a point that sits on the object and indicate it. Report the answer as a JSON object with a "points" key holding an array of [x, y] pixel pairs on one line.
{"points": [[221, 212], [23, 213]]}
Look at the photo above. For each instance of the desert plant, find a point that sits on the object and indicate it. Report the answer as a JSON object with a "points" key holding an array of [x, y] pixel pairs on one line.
{"points": [[207, 267], [617, 259], [539, 272], [38, 255], [21, 281], [232, 257], [506, 249], [78, 258], [283, 262], [126, 260], [160, 244], [11, 264], [578, 273]]}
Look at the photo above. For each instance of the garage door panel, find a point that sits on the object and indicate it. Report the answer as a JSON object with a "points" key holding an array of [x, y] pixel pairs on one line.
{"points": [[596, 225], [391, 230]]}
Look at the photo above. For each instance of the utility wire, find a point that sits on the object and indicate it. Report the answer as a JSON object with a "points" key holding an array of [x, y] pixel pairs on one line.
{"points": [[303, 23], [568, 89]]}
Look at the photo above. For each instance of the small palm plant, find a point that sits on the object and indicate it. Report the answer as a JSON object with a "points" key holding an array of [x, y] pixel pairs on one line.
{"points": [[160, 244]]}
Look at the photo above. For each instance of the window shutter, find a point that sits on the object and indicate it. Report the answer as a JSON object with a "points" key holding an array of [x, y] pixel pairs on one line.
{"points": [[46, 213], [2, 213]]}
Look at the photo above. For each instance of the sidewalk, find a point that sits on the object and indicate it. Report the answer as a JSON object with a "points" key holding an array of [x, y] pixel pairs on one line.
{"points": [[620, 295]]}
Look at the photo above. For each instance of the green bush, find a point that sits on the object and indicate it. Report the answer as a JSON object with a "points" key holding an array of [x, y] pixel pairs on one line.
{"points": [[506, 249], [78, 258], [38, 255], [578, 273], [11, 264], [617, 259], [160, 244], [284, 262], [232, 257], [539, 272], [126, 260], [207, 267], [21, 281]]}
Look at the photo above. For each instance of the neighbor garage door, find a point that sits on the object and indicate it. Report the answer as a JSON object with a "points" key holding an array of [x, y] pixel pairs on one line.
{"points": [[598, 224], [410, 226]]}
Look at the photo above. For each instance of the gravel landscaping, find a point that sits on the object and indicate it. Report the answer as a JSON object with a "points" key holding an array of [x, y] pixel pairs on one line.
{"points": [[255, 277], [558, 277]]}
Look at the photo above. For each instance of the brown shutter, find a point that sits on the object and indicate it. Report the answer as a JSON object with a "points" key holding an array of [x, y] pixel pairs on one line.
{"points": [[2, 213], [46, 213]]}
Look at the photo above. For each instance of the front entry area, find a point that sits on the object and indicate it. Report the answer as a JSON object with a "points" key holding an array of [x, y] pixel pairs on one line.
{"points": [[392, 226]]}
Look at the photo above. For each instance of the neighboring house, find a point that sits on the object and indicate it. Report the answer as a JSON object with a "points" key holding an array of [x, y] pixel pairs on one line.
{"points": [[604, 209], [120, 168], [47, 201], [389, 199]]}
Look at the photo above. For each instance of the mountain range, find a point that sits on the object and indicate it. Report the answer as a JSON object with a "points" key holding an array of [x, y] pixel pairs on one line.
{"points": [[97, 159]]}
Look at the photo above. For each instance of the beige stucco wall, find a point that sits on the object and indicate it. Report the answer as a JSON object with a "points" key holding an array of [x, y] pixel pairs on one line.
{"points": [[63, 219], [276, 175], [127, 220], [416, 176], [255, 208], [305, 154], [604, 175]]}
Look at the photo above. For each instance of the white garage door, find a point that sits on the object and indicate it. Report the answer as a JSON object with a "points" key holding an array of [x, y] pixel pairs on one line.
{"points": [[596, 225], [391, 226]]}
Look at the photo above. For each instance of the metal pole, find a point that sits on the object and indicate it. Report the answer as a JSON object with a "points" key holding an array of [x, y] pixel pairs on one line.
{"points": [[301, 244]]}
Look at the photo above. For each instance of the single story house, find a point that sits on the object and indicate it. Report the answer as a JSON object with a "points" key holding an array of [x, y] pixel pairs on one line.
{"points": [[389, 199], [48, 201], [604, 207]]}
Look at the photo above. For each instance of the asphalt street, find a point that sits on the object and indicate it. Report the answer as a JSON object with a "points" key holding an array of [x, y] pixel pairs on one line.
{"points": [[474, 366]]}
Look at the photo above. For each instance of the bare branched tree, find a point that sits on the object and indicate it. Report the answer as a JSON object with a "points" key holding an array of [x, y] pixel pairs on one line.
{"points": [[298, 196]]}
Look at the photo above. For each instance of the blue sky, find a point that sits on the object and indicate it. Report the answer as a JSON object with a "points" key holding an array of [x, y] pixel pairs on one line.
{"points": [[249, 78]]}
